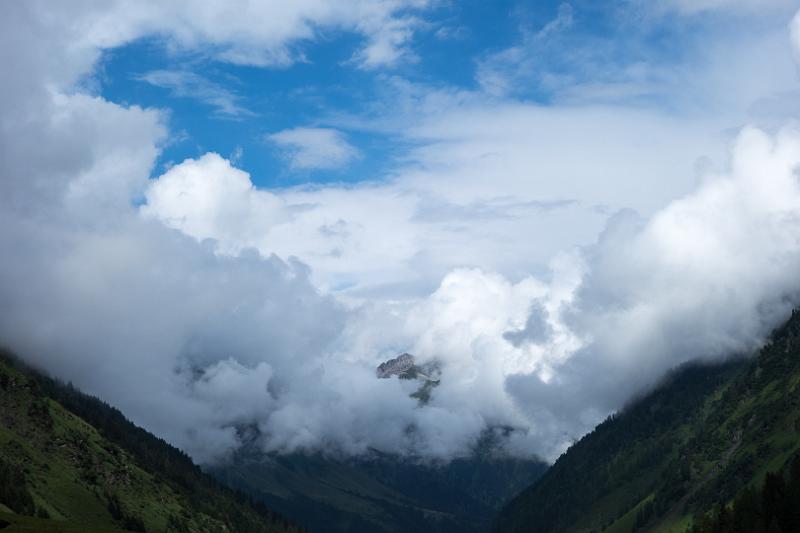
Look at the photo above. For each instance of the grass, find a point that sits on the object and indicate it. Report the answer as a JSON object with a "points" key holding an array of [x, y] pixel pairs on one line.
{"points": [[626, 522], [71, 471], [679, 524]]}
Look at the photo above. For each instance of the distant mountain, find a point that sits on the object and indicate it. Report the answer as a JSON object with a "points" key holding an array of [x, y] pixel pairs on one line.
{"points": [[381, 492], [399, 366], [404, 366], [707, 437], [70, 463]]}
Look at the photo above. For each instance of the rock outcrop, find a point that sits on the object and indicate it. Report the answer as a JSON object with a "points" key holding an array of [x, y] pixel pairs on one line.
{"points": [[399, 366], [405, 367]]}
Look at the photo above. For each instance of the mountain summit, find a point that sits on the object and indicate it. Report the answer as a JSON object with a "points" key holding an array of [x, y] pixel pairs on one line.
{"points": [[404, 366], [399, 366]]}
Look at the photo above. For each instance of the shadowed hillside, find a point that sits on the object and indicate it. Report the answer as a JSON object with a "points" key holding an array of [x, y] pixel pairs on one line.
{"points": [[382, 493], [70, 463], [700, 440]]}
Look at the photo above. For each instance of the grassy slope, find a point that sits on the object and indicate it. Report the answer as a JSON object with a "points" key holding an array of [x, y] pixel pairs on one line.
{"points": [[79, 479], [699, 439]]}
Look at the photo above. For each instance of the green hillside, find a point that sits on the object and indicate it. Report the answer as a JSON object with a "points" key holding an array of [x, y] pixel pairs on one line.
{"points": [[707, 436], [70, 463]]}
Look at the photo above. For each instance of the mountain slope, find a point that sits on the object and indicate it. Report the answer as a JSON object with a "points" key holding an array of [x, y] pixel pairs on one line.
{"points": [[71, 463], [381, 492], [700, 439]]}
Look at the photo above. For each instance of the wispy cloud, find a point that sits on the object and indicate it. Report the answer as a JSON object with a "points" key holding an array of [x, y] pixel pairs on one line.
{"points": [[314, 148], [498, 73], [185, 84], [389, 42], [694, 7]]}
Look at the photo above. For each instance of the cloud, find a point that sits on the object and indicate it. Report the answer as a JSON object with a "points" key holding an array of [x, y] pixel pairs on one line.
{"points": [[452, 33], [209, 199], [388, 43], [550, 169], [264, 34], [563, 20], [566, 62], [197, 302], [501, 72], [693, 7], [277, 37], [314, 148], [706, 277], [552, 355], [185, 84], [794, 30]]}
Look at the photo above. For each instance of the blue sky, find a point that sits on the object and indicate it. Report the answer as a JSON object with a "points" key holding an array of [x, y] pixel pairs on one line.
{"points": [[230, 109], [304, 93]]}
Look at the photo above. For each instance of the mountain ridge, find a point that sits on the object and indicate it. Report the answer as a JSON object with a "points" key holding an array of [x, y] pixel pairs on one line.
{"points": [[380, 492]]}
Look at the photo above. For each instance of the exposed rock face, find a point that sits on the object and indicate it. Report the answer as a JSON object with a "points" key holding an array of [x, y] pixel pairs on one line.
{"points": [[400, 365], [404, 367]]}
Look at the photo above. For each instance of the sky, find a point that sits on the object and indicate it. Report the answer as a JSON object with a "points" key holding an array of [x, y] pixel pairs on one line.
{"points": [[217, 214]]}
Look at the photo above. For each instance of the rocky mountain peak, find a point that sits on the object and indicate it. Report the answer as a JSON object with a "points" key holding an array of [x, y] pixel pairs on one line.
{"points": [[398, 366]]}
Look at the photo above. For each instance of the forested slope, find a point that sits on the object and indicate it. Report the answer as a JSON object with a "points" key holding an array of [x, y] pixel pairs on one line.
{"points": [[382, 493], [684, 452], [71, 463]]}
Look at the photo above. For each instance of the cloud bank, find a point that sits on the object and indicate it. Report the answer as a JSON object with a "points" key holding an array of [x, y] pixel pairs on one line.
{"points": [[197, 302]]}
